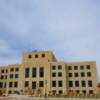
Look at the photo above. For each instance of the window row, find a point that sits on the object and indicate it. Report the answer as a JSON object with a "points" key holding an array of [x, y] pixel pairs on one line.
{"points": [[34, 72], [59, 67], [36, 56], [82, 67], [11, 70], [10, 76], [59, 74], [80, 83], [82, 74]]}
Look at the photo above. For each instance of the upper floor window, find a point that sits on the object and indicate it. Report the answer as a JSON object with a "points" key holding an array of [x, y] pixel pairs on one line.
{"points": [[11, 75], [16, 75], [53, 83], [17, 69], [16, 84], [59, 74], [69, 67], [53, 74], [70, 74], [60, 83], [76, 74], [34, 72], [53, 67], [43, 55], [88, 66], [2, 71], [29, 56], [10, 84], [82, 74], [41, 84], [12, 69], [59, 67], [77, 83], [75, 67], [81, 67], [34, 85], [89, 74], [26, 83], [27, 72], [41, 72], [36, 56], [83, 83], [70, 83], [90, 83]]}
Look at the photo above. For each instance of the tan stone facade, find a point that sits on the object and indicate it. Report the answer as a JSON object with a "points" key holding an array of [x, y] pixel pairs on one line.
{"points": [[41, 72]]}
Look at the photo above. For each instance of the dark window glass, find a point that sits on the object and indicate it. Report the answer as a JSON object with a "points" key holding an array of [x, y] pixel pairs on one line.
{"points": [[5, 76], [41, 84], [43, 55], [89, 74], [10, 84], [59, 67], [6, 71], [53, 67], [83, 84], [75, 67], [27, 71], [60, 83], [11, 75], [82, 74], [70, 74], [77, 83], [5, 85], [76, 74], [12, 69], [90, 83], [70, 83], [77, 91], [34, 85], [36, 56], [53, 74], [81, 67], [1, 84], [2, 77], [26, 83], [17, 69], [53, 83], [41, 72], [33, 72], [60, 91], [69, 67], [2, 71], [59, 74], [15, 84], [16, 75], [84, 91], [90, 91], [29, 56], [88, 66]]}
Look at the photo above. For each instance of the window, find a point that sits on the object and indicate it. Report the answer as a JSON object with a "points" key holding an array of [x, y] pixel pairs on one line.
{"points": [[11, 75], [16, 75], [75, 67], [59, 67], [36, 56], [60, 83], [6, 71], [5, 85], [27, 71], [17, 69], [29, 56], [60, 91], [5, 76], [15, 84], [34, 85], [10, 84], [34, 72], [89, 74], [59, 74], [77, 83], [70, 74], [12, 69], [82, 74], [84, 91], [81, 67], [70, 83], [53, 74], [78, 91], [90, 83], [1, 84], [53, 67], [53, 83], [41, 72], [69, 67], [83, 84], [26, 83], [43, 55], [2, 77], [41, 84], [2, 71], [76, 74], [88, 66], [90, 91]]}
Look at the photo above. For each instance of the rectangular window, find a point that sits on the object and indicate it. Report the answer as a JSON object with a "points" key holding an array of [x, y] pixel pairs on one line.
{"points": [[75, 67], [77, 83], [17, 69], [16, 84], [34, 85], [83, 84], [34, 72], [53, 74], [53, 67], [27, 71], [60, 83], [10, 84], [88, 66], [76, 74], [41, 72], [70, 83], [41, 84], [89, 74], [59, 67], [69, 67], [59, 74], [90, 91], [12, 69], [84, 91], [11, 75], [81, 67], [1, 84], [2, 71], [70, 74], [16, 75], [53, 83], [90, 83], [82, 74], [26, 83]]}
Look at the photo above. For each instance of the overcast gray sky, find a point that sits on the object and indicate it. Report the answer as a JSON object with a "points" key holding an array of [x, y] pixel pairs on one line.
{"points": [[70, 28]]}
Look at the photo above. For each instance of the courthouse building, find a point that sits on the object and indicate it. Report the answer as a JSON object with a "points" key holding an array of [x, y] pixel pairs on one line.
{"points": [[40, 70]]}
